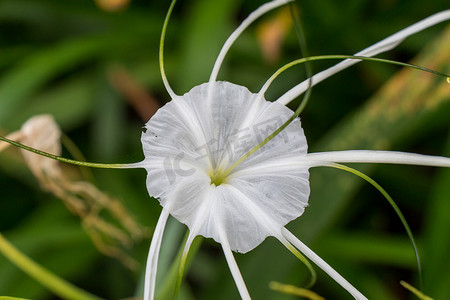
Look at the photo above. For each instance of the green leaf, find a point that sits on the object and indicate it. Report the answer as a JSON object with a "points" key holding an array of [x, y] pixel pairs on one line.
{"points": [[51, 246], [437, 236]]}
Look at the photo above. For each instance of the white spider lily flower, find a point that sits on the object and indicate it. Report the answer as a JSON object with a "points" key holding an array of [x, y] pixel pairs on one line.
{"points": [[191, 145]]}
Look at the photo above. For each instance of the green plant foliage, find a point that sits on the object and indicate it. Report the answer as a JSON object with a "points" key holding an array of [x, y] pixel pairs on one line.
{"points": [[58, 57]]}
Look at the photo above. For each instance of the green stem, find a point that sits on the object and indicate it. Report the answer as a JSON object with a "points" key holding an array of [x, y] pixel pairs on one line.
{"points": [[172, 282], [394, 206], [161, 50], [293, 290], [57, 285], [182, 265], [415, 291], [339, 57], [70, 161], [306, 262], [76, 153]]}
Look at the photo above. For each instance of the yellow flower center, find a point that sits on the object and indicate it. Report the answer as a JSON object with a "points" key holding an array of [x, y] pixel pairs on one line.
{"points": [[218, 176]]}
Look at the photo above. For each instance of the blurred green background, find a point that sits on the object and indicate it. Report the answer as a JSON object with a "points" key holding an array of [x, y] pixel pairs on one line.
{"points": [[93, 66]]}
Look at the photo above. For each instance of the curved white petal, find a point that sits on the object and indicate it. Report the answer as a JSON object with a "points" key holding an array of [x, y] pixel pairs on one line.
{"points": [[322, 264], [380, 47], [234, 269], [153, 254], [250, 19], [374, 156]]}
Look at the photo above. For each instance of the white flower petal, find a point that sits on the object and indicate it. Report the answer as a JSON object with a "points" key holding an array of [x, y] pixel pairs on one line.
{"points": [[245, 222], [196, 135], [153, 254], [375, 156], [380, 47], [322, 264], [269, 200]]}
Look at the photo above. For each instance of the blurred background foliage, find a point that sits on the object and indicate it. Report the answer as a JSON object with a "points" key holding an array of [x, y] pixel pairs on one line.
{"points": [[93, 66]]}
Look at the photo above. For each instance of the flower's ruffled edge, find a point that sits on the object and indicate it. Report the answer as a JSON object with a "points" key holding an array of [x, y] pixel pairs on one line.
{"points": [[289, 241], [285, 237]]}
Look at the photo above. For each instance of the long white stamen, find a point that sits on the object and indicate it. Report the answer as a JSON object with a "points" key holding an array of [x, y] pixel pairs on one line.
{"points": [[322, 264], [153, 254], [251, 18], [234, 269], [380, 47], [373, 156]]}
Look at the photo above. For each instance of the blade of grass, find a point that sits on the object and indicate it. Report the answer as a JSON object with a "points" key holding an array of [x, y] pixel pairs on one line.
{"points": [[51, 281]]}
